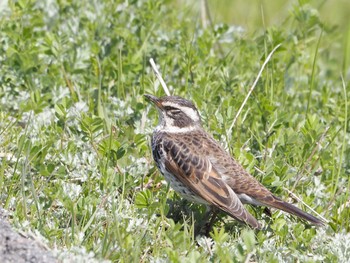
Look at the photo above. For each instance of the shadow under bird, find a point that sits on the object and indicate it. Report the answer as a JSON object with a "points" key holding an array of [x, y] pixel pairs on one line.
{"points": [[199, 168]]}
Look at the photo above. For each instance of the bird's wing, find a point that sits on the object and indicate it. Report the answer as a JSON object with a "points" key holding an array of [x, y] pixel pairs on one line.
{"points": [[252, 192], [197, 172]]}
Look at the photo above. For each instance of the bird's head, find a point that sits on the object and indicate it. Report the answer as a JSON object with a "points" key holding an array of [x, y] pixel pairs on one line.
{"points": [[176, 113]]}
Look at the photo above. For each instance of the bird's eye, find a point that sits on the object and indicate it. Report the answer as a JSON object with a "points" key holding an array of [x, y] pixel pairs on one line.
{"points": [[172, 110]]}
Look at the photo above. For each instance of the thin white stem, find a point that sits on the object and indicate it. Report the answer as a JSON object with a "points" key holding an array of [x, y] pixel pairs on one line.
{"points": [[248, 257], [159, 76], [301, 201], [251, 89]]}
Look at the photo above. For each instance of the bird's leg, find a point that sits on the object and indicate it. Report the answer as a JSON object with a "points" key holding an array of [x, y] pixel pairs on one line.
{"points": [[267, 212], [214, 211], [205, 225]]}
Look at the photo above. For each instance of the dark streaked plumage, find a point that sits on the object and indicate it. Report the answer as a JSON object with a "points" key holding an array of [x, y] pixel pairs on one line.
{"points": [[199, 169]]}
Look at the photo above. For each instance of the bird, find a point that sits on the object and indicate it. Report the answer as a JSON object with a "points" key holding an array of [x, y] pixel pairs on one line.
{"points": [[202, 171]]}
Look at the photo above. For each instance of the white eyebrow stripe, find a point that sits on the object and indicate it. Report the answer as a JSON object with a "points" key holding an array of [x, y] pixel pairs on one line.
{"points": [[193, 114]]}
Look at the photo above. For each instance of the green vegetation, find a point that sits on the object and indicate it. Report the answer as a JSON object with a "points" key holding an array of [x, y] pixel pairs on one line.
{"points": [[75, 162]]}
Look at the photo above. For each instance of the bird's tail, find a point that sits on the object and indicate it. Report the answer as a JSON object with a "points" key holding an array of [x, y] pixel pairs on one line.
{"points": [[289, 208]]}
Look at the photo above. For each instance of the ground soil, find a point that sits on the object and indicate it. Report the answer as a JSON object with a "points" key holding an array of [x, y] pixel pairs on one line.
{"points": [[18, 248]]}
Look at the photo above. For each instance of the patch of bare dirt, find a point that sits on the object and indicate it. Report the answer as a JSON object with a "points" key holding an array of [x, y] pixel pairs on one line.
{"points": [[18, 248]]}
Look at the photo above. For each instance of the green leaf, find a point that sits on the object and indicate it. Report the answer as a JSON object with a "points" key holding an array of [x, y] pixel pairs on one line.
{"points": [[249, 239], [143, 199]]}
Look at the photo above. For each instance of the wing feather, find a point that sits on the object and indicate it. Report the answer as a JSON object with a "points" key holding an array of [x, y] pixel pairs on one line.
{"points": [[201, 177]]}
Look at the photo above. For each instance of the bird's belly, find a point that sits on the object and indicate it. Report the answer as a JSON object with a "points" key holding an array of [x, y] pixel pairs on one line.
{"points": [[183, 190]]}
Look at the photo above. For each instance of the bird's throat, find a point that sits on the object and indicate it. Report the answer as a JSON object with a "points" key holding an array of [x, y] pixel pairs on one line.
{"points": [[175, 129]]}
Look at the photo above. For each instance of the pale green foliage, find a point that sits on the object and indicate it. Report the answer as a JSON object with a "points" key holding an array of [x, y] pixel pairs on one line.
{"points": [[76, 165]]}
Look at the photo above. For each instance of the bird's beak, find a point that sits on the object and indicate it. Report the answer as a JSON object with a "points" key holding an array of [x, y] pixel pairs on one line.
{"points": [[155, 100]]}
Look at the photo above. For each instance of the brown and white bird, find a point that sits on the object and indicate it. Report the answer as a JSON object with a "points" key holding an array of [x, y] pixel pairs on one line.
{"points": [[198, 168]]}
